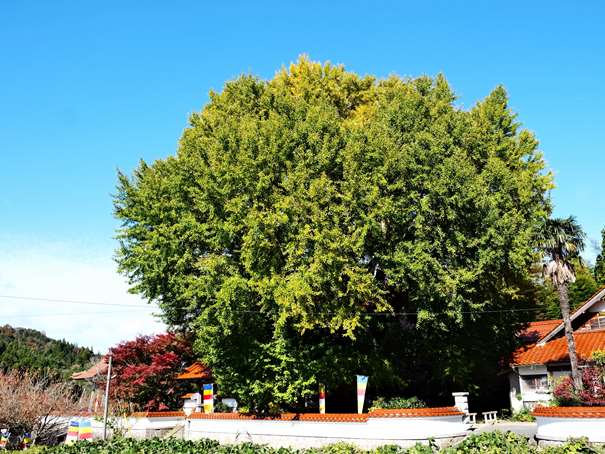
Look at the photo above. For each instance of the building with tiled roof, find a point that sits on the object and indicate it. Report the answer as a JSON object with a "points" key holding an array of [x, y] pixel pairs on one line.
{"points": [[544, 359], [537, 330], [95, 372], [197, 371], [95, 375]]}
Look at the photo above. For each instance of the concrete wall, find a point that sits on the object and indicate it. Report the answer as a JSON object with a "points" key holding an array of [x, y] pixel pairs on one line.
{"points": [[363, 430], [374, 432], [560, 429]]}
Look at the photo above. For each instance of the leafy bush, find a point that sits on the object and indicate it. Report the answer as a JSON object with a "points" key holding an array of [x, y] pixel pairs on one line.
{"points": [[592, 393], [493, 443], [598, 357], [397, 402], [220, 407], [487, 442], [337, 448], [577, 446], [524, 415]]}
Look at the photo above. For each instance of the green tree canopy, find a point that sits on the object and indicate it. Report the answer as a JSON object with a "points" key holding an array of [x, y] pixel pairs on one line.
{"points": [[599, 267], [580, 290], [583, 288], [322, 224], [28, 350]]}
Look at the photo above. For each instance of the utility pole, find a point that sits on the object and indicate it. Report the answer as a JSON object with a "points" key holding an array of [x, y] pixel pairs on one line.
{"points": [[106, 405]]}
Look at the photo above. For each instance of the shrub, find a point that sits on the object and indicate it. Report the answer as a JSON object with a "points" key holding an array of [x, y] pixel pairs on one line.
{"points": [[524, 415], [598, 357], [592, 393], [339, 448], [397, 402], [220, 407], [416, 449], [493, 443], [488, 442], [31, 405], [565, 393], [577, 446]]}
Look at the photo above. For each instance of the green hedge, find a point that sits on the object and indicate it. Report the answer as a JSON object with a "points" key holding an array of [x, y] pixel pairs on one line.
{"points": [[484, 443], [398, 402]]}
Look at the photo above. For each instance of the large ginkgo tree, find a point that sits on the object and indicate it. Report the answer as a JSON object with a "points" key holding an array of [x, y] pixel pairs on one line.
{"points": [[322, 224]]}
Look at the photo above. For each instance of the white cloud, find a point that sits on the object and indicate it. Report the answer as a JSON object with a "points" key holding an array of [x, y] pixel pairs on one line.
{"points": [[70, 271]]}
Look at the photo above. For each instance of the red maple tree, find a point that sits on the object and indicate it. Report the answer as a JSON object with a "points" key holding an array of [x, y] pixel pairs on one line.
{"points": [[145, 369]]}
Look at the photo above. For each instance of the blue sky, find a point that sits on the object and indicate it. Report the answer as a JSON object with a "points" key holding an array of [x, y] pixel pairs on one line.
{"points": [[90, 87]]}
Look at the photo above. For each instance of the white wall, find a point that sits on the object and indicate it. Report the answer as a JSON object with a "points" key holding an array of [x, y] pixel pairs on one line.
{"points": [[376, 431], [529, 398], [300, 434], [560, 429]]}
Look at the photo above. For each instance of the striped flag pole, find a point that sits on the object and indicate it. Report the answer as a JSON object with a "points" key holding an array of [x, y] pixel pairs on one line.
{"points": [[26, 440], [322, 398], [85, 432], [209, 398], [4, 434], [362, 383], [73, 432]]}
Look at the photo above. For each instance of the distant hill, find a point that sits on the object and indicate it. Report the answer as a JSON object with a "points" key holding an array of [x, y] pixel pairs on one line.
{"points": [[28, 349]]}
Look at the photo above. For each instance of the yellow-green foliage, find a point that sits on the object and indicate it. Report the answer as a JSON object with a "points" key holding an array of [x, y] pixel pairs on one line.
{"points": [[323, 224]]}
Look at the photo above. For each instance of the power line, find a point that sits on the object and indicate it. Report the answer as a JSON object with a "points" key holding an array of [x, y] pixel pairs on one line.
{"points": [[371, 314], [66, 314], [58, 300]]}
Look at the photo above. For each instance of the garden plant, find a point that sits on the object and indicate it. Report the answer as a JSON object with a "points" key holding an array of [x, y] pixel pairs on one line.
{"points": [[485, 443]]}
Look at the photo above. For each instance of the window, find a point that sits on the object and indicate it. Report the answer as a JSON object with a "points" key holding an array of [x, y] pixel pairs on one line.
{"points": [[535, 383]]}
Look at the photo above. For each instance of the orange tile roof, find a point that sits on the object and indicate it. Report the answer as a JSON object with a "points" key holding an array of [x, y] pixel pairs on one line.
{"points": [[594, 299], [555, 351], [327, 417], [415, 412], [570, 412], [589, 302], [537, 330], [97, 370], [196, 371], [158, 414]]}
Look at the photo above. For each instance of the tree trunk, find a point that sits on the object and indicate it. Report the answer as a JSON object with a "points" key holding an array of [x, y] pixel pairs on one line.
{"points": [[571, 343]]}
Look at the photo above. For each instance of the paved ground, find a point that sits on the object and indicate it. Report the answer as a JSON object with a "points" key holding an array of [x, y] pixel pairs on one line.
{"points": [[522, 428]]}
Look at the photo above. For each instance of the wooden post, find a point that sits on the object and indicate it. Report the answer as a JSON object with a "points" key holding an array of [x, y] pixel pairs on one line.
{"points": [[106, 404]]}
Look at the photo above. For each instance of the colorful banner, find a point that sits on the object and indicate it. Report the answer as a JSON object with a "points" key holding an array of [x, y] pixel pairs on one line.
{"points": [[4, 435], [73, 431], [362, 383], [209, 398], [26, 441], [85, 432], [322, 398]]}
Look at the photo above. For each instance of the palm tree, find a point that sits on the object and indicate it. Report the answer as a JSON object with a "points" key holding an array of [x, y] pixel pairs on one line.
{"points": [[561, 241]]}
